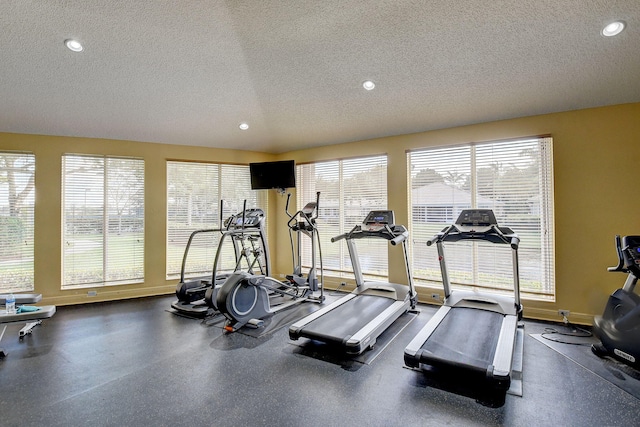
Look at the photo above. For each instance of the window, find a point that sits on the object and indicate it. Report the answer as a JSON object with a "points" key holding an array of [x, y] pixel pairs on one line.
{"points": [[515, 179], [349, 190], [194, 191], [103, 221], [17, 172]]}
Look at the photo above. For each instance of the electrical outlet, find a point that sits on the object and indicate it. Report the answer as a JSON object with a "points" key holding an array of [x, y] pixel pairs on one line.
{"points": [[92, 293], [564, 313], [435, 297]]}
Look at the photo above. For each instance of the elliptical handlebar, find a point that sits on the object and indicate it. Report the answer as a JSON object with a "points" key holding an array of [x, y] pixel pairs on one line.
{"points": [[316, 212], [221, 215], [244, 212], [286, 208], [308, 219]]}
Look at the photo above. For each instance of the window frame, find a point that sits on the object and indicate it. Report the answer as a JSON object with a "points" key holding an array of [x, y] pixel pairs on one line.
{"points": [[440, 156], [204, 246], [96, 218], [17, 235], [375, 250]]}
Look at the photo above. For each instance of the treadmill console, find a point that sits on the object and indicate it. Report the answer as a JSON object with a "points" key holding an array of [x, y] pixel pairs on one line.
{"points": [[377, 220], [476, 220]]}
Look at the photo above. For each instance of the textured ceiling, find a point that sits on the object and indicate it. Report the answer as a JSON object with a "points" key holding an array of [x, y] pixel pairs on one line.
{"points": [[188, 72]]}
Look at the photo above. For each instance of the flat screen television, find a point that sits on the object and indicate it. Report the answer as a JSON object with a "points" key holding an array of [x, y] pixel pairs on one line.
{"points": [[267, 175]]}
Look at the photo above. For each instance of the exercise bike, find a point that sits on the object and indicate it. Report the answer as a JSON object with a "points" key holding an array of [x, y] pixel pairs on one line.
{"points": [[619, 327], [245, 231], [246, 299]]}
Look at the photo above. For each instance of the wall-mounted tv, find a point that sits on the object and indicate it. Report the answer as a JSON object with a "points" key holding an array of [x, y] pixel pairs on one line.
{"points": [[267, 175]]}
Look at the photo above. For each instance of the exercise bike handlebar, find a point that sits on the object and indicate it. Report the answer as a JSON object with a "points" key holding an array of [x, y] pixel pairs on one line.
{"points": [[620, 266]]}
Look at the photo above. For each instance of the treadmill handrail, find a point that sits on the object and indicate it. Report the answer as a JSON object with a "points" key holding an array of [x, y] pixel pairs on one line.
{"points": [[495, 234], [488, 232], [400, 238], [395, 234], [344, 235]]}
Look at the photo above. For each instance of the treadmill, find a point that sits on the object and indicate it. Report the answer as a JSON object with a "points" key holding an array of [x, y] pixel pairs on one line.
{"points": [[473, 334], [355, 321]]}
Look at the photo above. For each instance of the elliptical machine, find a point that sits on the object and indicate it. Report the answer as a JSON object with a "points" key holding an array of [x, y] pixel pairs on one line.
{"points": [[246, 231], [246, 298], [619, 327]]}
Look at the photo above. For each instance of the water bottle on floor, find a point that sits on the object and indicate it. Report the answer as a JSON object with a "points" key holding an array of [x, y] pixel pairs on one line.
{"points": [[10, 304]]}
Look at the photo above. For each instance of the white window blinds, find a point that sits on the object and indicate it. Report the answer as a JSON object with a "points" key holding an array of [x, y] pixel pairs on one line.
{"points": [[350, 189], [103, 221], [194, 191], [515, 179], [17, 173]]}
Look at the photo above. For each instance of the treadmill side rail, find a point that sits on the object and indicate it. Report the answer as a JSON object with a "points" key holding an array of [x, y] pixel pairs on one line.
{"points": [[366, 337], [411, 352], [503, 357]]}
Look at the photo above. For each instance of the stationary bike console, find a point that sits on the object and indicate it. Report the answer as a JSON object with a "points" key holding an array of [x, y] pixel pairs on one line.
{"points": [[631, 254]]}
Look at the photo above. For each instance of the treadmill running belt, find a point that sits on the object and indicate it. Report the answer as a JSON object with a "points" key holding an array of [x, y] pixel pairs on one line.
{"points": [[338, 325], [466, 336]]}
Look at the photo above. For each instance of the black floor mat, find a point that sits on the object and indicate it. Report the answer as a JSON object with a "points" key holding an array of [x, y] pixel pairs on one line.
{"points": [[619, 374]]}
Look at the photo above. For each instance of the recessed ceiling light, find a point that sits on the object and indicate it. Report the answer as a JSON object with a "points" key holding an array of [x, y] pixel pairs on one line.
{"points": [[243, 126], [73, 45], [613, 29], [368, 85]]}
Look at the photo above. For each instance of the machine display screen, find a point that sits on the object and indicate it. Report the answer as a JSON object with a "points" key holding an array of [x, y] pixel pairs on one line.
{"points": [[477, 217], [379, 217], [633, 245]]}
